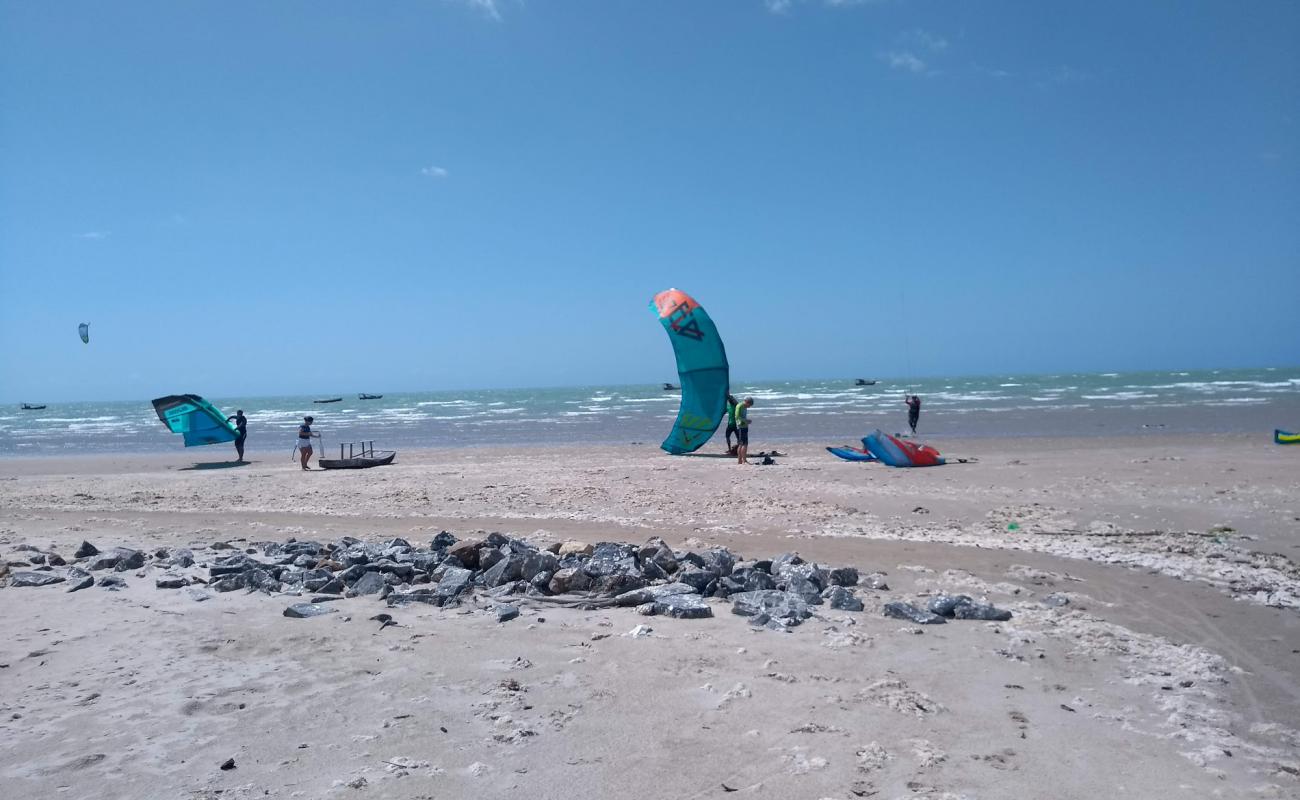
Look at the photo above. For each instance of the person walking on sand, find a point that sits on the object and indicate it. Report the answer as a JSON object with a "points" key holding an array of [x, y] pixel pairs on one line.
{"points": [[913, 411], [742, 430], [731, 424], [305, 436], [241, 425]]}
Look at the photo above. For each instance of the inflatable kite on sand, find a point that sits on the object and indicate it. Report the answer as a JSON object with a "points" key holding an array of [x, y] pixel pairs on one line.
{"points": [[852, 453], [1285, 437], [897, 453], [701, 366]]}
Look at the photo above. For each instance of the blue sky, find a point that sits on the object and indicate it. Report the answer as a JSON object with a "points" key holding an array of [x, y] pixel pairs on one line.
{"points": [[289, 197]]}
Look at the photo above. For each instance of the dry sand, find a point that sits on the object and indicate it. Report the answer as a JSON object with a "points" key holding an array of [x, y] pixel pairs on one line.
{"points": [[1172, 673]]}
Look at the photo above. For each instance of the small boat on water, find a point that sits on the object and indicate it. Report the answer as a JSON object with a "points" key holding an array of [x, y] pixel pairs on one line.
{"points": [[671, 387], [863, 382], [364, 396], [360, 455], [329, 400], [30, 407]]}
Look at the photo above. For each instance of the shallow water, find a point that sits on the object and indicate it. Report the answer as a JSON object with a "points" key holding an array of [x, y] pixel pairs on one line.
{"points": [[1204, 401]]}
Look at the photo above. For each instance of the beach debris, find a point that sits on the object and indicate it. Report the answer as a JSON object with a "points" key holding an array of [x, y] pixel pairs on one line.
{"points": [[228, 764], [384, 620], [639, 632]]}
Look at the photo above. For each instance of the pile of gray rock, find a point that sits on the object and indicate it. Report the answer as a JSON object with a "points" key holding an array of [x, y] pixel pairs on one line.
{"points": [[503, 571]]}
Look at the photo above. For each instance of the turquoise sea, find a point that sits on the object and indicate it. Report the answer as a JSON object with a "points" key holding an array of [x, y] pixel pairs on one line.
{"points": [[832, 410]]}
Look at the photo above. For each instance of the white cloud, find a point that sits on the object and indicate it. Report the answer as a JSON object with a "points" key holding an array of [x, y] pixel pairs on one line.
{"points": [[433, 172], [778, 6], [95, 235], [782, 6], [488, 7], [903, 60], [925, 40]]}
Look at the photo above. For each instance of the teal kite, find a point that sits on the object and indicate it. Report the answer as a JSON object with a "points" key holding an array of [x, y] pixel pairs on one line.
{"points": [[702, 367]]}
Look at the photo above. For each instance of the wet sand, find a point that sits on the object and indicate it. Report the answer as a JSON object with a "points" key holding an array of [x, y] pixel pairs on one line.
{"points": [[1173, 672]]}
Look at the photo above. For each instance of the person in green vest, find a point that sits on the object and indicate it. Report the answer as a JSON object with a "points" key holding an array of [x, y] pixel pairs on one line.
{"points": [[742, 430], [731, 424]]}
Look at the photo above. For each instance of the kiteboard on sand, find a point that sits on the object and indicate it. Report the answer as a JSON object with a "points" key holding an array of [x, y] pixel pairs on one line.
{"points": [[852, 453]]}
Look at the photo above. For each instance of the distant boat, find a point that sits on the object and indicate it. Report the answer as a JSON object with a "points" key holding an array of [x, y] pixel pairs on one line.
{"points": [[330, 400], [863, 382], [30, 407], [369, 396], [671, 387]]}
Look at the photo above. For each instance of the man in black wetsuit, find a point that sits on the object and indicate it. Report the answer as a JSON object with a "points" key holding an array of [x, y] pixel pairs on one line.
{"points": [[241, 425], [913, 412]]}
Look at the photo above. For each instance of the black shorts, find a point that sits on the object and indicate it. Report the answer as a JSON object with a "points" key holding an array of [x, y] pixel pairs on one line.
{"points": [[239, 439], [731, 428], [742, 436]]}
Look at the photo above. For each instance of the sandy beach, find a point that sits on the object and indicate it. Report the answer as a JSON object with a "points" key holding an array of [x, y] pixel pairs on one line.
{"points": [[1172, 671]]}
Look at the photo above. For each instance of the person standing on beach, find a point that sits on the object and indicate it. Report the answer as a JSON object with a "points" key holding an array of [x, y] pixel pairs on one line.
{"points": [[731, 424], [913, 411], [742, 430], [305, 436], [241, 425]]}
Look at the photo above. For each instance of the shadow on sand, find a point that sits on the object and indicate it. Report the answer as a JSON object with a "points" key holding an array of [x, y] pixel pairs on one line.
{"points": [[216, 465]]}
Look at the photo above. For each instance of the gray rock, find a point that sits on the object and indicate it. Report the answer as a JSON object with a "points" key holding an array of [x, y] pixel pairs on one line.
{"points": [[609, 558], [334, 586], [538, 562], [841, 599], [103, 561], [112, 582], [19, 579], [261, 580], [429, 596], [610, 585], [812, 573], [753, 579], [982, 611], [466, 552], [570, 579], [944, 604], [305, 610], [907, 611], [488, 557], [82, 583], [1056, 600], [875, 581], [181, 557], [505, 613], [682, 606], [55, 560], [228, 584], [442, 541], [197, 594], [453, 582], [37, 558], [130, 559], [804, 589], [171, 582], [719, 561], [86, 550], [774, 604], [844, 576], [646, 594], [778, 564], [369, 583], [507, 569], [696, 578], [326, 598]]}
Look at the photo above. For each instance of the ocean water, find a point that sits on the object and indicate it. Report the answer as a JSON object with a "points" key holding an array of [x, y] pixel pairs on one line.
{"points": [[831, 410]]}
